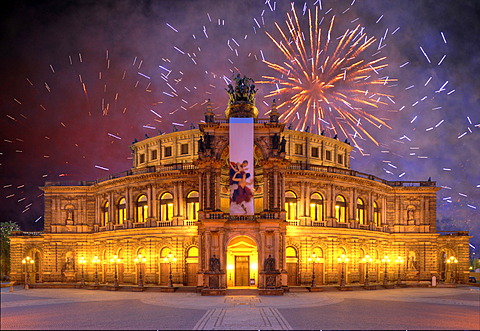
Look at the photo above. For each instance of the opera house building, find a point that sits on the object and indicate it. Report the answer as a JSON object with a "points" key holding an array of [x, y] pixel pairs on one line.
{"points": [[240, 201]]}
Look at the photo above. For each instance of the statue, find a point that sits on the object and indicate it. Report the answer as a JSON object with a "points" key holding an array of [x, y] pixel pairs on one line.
{"points": [[283, 145], [207, 141], [214, 264], [244, 90], [69, 264], [275, 141], [269, 264], [201, 145]]}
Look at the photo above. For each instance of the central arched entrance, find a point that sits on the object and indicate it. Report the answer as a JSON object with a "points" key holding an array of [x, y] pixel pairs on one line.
{"points": [[242, 262]]}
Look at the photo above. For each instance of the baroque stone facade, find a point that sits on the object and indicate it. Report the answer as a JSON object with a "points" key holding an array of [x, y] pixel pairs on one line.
{"points": [[310, 209]]}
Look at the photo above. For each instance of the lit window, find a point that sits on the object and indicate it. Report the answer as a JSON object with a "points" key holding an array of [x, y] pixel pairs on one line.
{"points": [[316, 207], [376, 214], [340, 209], [192, 205], [291, 205], [166, 207], [361, 211], [167, 151], [105, 213], [122, 211], [142, 209]]}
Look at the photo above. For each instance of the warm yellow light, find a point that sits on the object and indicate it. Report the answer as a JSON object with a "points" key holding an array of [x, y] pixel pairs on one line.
{"points": [[230, 266], [452, 259], [254, 266], [399, 260], [386, 259], [82, 260], [343, 259]]}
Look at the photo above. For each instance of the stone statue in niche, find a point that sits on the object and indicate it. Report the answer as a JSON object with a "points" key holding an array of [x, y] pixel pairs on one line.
{"points": [[214, 264], [410, 214], [269, 264], [283, 145], [411, 261]]}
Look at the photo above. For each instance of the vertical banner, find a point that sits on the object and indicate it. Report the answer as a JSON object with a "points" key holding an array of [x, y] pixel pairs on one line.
{"points": [[241, 166]]}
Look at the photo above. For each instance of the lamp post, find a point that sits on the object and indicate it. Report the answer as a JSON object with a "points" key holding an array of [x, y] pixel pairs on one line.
{"points": [[26, 262], [451, 261], [385, 261], [170, 258], [399, 262], [342, 259], [96, 262], [82, 262], [115, 260], [140, 260], [367, 259], [314, 259]]}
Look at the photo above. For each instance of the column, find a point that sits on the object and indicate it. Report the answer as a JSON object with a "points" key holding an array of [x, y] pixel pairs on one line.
{"points": [[301, 211], [207, 186]]}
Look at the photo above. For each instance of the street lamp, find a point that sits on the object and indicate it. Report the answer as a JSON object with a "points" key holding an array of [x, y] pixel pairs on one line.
{"points": [[399, 261], [367, 259], [314, 259], [115, 260], [96, 262], [26, 262], [82, 262], [452, 260], [170, 258], [140, 260], [385, 261], [342, 259]]}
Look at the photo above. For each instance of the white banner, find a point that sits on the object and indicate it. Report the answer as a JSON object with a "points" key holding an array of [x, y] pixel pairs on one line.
{"points": [[241, 165]]}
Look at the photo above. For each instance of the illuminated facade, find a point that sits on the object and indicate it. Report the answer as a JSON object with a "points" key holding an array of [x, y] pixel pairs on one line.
{"points": [[310, 208]]}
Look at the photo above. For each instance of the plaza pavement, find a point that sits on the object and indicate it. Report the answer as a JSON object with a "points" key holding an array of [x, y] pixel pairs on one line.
{"points": [[382, 309]]}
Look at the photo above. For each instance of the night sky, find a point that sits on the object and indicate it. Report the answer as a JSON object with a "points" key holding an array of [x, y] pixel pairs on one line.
{"points": [[80, 80]]}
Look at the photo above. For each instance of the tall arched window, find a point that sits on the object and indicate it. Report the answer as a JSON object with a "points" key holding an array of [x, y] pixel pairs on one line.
{"points": [[166, 207], [340, 209], [316, 207], [122, 211], [361, 211], [192, 205], [291, 205], [105, 206], [142, 208], [376, 214]]}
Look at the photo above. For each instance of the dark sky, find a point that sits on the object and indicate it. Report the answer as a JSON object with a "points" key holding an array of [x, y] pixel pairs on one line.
{"points": [[80, 80]]}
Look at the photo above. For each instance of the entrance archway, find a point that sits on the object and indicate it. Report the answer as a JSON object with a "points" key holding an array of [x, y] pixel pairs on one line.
{"points": [[242, 262]]}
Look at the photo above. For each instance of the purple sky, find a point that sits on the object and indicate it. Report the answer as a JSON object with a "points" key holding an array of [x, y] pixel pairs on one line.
{"points": [[82, 79]]}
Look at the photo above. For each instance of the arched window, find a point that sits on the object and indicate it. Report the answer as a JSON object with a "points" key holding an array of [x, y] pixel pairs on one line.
{"points": [[376, 214], [316, 207], [291, 205], [142, 208], [105, 206], [122, 211], [192, 205], [340, 209], [291, 252], [166, 207], [192, 252], [361, 211]]}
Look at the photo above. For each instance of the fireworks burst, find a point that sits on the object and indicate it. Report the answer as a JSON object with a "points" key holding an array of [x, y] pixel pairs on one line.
{"points": [[329, 84]]}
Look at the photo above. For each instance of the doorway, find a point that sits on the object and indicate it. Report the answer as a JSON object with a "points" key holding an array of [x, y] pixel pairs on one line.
{"points": [[242, 270], [242, 262]]}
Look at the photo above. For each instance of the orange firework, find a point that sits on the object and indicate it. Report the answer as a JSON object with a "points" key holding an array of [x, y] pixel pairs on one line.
{"points": [[327, 82]]}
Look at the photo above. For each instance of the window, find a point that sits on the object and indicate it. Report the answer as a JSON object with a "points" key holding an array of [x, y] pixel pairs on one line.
{"points": [[291, 205], [166, 207], [184, 149], [340, 158], [361, 211], [328, 155], [122, 211], [142, 208], [154, 154], [299, 149], [376, 214], [104, 221], [314, 151], [167, 151], [316, 207], [192, 205], [340, 209], [142, 158]]}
